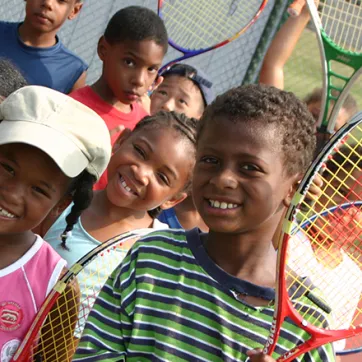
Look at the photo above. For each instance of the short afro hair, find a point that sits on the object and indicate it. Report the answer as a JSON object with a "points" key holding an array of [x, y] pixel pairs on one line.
{"points": [[136, 23], [10, 78], [257, 103]]}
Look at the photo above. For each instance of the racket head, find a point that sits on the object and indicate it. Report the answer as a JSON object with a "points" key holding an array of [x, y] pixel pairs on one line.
{"points": [[57, 328], [320, 250], [338, 26], [195, 27]]}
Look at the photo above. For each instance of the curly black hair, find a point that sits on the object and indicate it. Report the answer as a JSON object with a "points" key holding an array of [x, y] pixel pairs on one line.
{"points": [[136, 23], [10, 78], [81, 190], [261, 103], [186, 128]]}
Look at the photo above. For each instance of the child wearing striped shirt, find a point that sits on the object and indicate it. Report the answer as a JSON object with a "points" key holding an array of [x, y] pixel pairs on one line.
{"points": [[189, 296]]}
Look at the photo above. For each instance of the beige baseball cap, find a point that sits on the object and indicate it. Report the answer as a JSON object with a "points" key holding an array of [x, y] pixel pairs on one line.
{"points": [[73, 135]]}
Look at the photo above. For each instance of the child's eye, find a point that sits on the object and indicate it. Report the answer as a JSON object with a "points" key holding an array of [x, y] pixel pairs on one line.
{"points": [[129, 62], [140, 151], [153, 69], [249, 167], [164, 178], [8, 168], [182, 101], [162, 92], [40, 191], [209, 160]]}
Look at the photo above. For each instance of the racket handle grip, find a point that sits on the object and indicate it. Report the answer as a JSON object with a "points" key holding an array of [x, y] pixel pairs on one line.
{"points": [[296, 7]]}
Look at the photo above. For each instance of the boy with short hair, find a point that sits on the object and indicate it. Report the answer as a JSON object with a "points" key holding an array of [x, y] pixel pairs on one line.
{"points": [[34, 47], [185, 89], [192, 296], [131, 49]]}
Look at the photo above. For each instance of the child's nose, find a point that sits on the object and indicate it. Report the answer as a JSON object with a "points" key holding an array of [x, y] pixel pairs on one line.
{"points": [[13, 193], [169, 105], [141, 174], [225, 179], [138, 79], [47, 3]]}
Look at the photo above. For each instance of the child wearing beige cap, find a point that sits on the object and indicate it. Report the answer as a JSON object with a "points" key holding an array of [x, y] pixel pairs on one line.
{"points": [[50, 146]]}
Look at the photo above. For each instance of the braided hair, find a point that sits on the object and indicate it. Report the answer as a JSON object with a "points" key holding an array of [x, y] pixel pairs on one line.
{"points": [[81, 190], [186, 129]]}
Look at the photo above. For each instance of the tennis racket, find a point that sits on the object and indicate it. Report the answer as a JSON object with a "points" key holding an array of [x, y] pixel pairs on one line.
{"points": [[321, 240], [338, 25], [346, 347], [57, 327], [196, 27]]}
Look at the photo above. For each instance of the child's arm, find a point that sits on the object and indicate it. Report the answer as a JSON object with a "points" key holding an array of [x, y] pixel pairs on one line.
{"points": [[280, 49], [80, 83]]}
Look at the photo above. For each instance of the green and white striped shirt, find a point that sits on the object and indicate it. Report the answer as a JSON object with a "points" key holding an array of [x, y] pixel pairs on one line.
{"points": [[168, 301]]}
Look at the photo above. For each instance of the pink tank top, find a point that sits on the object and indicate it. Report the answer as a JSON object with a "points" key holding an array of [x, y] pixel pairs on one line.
{"points": [[24, 286]]}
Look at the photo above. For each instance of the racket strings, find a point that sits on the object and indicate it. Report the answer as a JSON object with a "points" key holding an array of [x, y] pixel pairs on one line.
{"points": [[342, 22], [204, 23], [325, 246], [65, 323]]}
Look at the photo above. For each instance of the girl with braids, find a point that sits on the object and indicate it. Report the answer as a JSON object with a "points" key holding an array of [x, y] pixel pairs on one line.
{"points": [[149, 171], [50, 146]]}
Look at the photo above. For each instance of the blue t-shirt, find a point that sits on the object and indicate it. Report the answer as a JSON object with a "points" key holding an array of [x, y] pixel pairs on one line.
{"points": [[169, 217], [55, 67]]}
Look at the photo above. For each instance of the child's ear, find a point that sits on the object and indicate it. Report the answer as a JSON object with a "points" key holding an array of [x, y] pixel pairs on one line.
{"points": [[121, 138], [156, 83], [102, 48], [295, 180], [181, 196], [76, 9]]}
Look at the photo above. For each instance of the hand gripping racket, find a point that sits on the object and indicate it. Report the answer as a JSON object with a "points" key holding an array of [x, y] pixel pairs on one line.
{"points": [[321, 249], [56, 329]]}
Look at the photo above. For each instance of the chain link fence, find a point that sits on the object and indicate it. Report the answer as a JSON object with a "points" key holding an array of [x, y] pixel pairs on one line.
{"points": [[226, 66]]}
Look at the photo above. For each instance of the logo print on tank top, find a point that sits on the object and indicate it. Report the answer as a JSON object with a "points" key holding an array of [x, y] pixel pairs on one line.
{"points": [[11, 316]]}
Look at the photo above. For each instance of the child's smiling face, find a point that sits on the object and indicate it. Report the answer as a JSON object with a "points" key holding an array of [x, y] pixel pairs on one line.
{"points": [[150, 168], [31, 184], [239, 184]]}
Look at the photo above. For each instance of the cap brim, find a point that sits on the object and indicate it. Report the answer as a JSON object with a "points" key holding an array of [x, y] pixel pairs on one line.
{"points": [[69, 158]]}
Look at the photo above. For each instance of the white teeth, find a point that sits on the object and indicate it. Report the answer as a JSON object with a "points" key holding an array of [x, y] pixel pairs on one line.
{"points": [[126, 187], [6, 213], [222, 205]]}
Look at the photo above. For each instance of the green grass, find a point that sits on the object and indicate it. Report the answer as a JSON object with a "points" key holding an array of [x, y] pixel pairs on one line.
{"points": [[303, 70]]}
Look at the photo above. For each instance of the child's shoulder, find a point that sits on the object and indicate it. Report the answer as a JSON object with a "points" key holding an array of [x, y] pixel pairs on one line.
{"points": [[8, 26], [171, 238], [77, 61]]}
